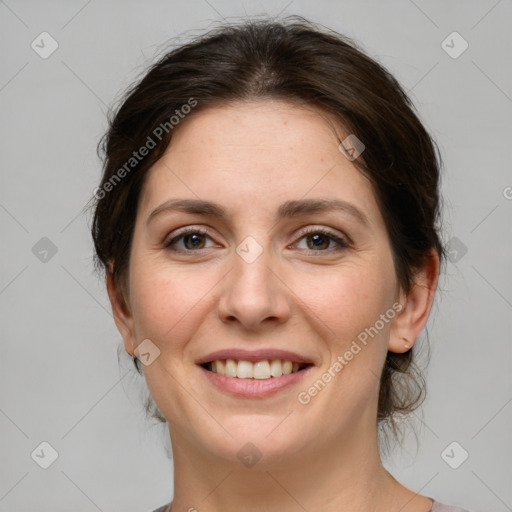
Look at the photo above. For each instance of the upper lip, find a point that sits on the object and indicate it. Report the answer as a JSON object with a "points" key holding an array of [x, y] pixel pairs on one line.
{"points": [[254, 356]]}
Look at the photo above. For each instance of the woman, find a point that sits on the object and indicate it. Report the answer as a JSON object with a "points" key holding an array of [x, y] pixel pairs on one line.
{"points": [[268, 223]]}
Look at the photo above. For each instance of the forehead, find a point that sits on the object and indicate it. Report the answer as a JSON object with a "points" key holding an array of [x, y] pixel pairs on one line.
{"points": [[271, 150]]}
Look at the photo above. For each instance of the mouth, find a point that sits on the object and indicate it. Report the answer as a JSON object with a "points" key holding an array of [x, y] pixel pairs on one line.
{"points": [[253, 373], [254, 380], [259, 370]]}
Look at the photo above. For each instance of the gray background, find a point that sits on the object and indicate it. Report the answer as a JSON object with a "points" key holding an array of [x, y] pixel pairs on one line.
{"points": [[60, 380]]}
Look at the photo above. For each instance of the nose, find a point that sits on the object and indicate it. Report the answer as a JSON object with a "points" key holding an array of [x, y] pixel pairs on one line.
{"points": [[255, 296]]}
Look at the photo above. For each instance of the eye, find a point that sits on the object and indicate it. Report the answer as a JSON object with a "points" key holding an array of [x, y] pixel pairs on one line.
{"points": [[192, 240], [318, 239]]}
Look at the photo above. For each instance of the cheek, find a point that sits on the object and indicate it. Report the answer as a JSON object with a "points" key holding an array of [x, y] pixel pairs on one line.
{"points": [[168, 303], [347, 305], [345, 300]]}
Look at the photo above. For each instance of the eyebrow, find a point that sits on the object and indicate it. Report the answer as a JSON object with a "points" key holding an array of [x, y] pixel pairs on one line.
{"points": [[289, 209]]}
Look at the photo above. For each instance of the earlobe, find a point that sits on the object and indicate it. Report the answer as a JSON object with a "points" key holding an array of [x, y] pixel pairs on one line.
{"points": [[417, 306], [122, 315]]}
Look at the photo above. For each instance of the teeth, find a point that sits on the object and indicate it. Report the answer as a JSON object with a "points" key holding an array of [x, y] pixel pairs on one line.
{"points": [[246, 370], [276, 368], [231, 368]]}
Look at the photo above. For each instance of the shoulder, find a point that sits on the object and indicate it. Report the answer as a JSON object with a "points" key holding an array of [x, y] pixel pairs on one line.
{"points": [[441, 507], [163, 508], [436, 507]]}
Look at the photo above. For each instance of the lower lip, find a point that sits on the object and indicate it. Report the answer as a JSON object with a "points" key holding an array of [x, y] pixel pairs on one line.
{"points": [[254, 388]]}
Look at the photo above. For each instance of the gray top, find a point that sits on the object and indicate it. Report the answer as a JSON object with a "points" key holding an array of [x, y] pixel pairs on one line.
{"points": [[441, 507], [436, 507]]}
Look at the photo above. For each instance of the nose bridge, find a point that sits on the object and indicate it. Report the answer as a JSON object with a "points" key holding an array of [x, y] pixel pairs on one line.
{"points": [[253, 293]]}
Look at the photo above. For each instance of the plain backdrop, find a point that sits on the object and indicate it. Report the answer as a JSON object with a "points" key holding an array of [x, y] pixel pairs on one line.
{"points": [[60, 379]]}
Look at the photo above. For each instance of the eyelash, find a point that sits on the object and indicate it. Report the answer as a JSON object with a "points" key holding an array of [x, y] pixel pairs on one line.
{"points": [[342, 243]]}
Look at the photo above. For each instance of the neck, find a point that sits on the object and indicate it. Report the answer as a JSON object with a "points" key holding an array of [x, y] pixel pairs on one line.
{"points": [[345, 477]]}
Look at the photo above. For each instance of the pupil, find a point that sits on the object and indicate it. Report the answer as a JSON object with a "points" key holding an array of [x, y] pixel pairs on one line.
{"points": [[317, 240], [196, 238]]}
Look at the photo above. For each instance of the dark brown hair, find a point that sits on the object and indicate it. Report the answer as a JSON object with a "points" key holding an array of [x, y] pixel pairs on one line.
{"points": [[292, 60]]}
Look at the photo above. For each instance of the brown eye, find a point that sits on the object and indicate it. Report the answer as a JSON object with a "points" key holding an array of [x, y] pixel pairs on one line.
{"points": [[318, 240], [193, 240]]}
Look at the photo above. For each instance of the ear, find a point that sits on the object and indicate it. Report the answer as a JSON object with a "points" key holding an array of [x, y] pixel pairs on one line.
{"points": [[416, 306], [122, 315]]}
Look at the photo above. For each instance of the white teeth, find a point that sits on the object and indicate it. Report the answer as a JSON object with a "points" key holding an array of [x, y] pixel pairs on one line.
{"points": [[244, 370], [260, 370], [276, 368], [231, 368], [220, 367]]}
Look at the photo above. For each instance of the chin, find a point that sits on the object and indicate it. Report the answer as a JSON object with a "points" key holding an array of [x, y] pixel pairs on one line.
{"points": [[255, 442]]}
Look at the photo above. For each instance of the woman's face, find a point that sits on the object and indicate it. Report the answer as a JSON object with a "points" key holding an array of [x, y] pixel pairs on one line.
{"points": [[257, 281]]}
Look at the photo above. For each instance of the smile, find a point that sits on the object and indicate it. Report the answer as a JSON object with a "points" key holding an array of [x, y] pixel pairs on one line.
{"points": [[261, 370], [253, 387]]}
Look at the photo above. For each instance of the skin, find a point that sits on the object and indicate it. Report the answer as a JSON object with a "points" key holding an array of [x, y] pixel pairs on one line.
{"points": [[251, 157]]}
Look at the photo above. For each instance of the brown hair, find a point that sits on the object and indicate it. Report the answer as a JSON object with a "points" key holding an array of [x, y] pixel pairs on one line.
{"points": [[290, 60]]}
